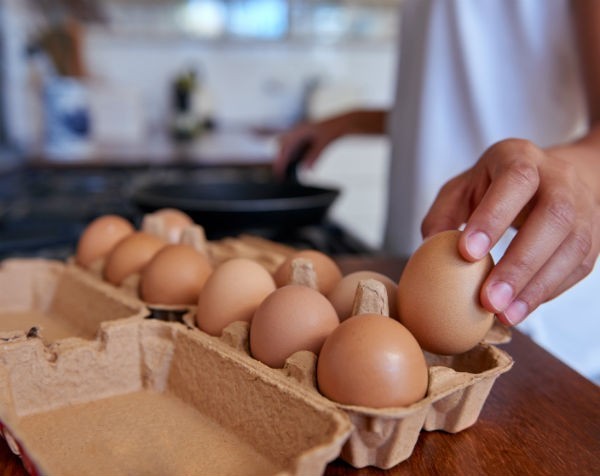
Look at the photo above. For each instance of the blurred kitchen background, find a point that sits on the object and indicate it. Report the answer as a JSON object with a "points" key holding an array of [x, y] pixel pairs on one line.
{"points": [[159, 87]]}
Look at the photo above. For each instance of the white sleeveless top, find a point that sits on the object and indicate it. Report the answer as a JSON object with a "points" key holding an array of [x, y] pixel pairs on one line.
{"points": [[471, 73]]}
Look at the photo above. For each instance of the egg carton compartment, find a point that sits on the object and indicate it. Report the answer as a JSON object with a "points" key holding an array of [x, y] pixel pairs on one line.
{"points": [[149, 397], [458, 388], [55, 301]]}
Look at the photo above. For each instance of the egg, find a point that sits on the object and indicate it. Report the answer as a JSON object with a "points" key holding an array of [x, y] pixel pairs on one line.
{"points": [[372, 361], [327, 271], [342, 296], [171, 222], [291, 319], [175, 275], [130, 256], [438, 296], [99, 238], [232, 293]]}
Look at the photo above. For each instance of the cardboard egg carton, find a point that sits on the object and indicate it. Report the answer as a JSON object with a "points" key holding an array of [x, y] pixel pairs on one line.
{"points": [[56, 302], [150, 397], [154, 360], [458, 388]]}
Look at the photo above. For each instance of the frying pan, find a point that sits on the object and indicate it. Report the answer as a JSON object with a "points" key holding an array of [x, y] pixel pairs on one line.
{"points": [[239, 205]]}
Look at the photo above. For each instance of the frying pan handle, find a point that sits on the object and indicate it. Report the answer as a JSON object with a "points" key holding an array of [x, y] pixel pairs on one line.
{"points": [[296, 157]]}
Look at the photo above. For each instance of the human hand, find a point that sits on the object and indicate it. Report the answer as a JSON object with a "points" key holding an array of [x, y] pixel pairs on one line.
{"points": [[558, 219], [313, 135]]}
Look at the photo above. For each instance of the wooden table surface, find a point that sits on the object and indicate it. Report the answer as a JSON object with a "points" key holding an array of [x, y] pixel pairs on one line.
{"points": [[541, 418]]}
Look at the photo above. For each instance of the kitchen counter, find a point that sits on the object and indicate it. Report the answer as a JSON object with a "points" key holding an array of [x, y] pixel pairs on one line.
{"points": [[224, 147], [541, 418]]}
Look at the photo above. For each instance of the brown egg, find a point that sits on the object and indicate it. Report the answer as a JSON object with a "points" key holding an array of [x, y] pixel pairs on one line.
{"points": [[175, 275], [328, 272], [232, 293], [290, 319], [99, 238], [372, 361], [342, 296], [438, 296], [130, 256], [174, 222]]}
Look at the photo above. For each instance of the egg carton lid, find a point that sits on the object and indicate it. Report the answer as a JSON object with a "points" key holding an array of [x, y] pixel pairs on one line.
{"points": [[262, 422]]}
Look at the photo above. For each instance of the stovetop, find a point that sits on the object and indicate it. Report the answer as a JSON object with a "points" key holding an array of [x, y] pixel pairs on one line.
{"points": [[44, 210]]}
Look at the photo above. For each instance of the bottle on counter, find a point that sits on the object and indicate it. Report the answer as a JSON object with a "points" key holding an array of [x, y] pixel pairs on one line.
{"points": [[191, 107]]}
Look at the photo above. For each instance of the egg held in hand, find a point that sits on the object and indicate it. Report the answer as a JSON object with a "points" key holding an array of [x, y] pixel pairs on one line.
{"points": [[372, 361], [100, 237], [232, 293], [438, 296], [290, 319], [175, 275]]}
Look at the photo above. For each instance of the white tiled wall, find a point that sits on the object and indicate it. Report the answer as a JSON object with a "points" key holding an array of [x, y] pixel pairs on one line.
{"points": [[249, 83]]}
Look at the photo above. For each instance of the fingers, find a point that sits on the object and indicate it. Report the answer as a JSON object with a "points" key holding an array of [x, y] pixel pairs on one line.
{"points": [[574, 259], [316, 135], [540, 238], [572, 262], [514, 180], [288, 143]]}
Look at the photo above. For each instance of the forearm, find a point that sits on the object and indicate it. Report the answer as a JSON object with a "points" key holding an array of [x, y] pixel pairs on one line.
{"points": [[361, 121]]}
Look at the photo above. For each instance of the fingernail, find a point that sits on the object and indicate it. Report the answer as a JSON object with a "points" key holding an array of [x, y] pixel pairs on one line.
{"points": [[478, 244], [500, 295], [516, 312]]}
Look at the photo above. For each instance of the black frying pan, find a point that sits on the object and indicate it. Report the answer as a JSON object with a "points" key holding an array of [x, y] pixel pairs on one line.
{"points": [[235, 206]]}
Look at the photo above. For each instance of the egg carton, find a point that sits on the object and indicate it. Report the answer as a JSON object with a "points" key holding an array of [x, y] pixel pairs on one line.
{"points": [[55, 301], [151, 397], [458, 388]]}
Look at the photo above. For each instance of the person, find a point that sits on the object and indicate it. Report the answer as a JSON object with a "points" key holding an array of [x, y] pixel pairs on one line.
{"points": [[495, 125]]}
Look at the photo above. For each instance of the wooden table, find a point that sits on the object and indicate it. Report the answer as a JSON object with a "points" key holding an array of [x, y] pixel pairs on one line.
{"points": [[541, 418]]}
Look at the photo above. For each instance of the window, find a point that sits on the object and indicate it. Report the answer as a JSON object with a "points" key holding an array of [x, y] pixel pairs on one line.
{"points": [[268, 20]]}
